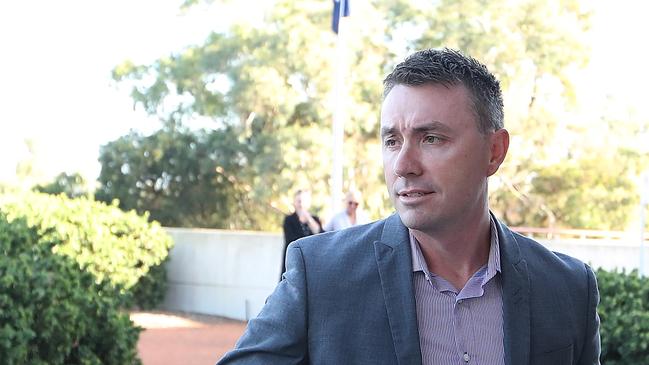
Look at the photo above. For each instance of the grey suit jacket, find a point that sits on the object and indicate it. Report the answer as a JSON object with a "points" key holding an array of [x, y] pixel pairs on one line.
{"points": [[347, 297]]}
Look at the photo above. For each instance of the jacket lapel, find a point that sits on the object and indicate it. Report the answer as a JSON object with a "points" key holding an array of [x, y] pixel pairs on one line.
{"points": [[516, 299], [395, 270]]}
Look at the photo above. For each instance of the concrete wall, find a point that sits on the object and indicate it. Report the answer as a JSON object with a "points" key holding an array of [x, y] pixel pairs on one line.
{"points": [[224, 273], [231, 273], [602, 253]]}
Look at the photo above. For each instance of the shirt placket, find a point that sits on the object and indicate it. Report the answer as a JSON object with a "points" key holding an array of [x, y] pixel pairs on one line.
{"points": [[461, 327]]}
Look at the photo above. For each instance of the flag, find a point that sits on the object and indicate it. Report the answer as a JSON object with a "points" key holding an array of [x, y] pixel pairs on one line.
{"points": [[337, 13]]}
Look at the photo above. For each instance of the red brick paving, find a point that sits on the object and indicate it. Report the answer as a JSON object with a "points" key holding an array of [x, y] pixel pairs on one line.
{"points": [[183, 339]]}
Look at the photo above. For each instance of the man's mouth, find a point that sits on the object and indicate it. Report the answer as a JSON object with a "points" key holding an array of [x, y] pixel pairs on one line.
{"points": [[413, 193]]}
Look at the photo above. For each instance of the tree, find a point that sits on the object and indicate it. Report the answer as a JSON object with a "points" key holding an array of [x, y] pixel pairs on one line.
{"points": [[270, 84], [185, 178], [72, 185], [273, 82], [607, 203]]}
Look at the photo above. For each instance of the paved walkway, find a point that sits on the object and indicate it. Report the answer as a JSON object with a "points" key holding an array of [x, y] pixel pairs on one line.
{"points": [[184, 339]]}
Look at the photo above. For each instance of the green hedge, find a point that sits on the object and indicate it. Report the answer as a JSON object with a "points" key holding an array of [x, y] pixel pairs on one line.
{"points": [[51, 312], [624, 314], [121, 247]]}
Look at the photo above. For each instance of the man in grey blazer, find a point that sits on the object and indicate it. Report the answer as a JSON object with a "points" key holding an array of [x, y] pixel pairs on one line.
{"points": [[442, 281]]}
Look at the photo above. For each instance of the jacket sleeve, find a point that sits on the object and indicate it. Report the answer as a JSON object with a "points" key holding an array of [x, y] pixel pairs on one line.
{"points": [[591, 350], [278, 335]]}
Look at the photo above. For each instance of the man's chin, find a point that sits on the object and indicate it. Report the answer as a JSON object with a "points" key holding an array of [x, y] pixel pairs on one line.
{"points": [[412, 220]]}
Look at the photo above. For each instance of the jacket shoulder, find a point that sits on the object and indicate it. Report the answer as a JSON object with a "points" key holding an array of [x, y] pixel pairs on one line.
{"points": [[553, 270], [536, 253], [342, 241]]}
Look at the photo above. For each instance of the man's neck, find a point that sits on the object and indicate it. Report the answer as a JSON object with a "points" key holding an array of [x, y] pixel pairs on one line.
{"points": [[456, 254]]}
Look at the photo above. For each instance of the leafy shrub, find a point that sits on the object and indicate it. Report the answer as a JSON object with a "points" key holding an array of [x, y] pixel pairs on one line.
{"points": [[624, 314], [122, 247], [150, 289], [51, 311]]}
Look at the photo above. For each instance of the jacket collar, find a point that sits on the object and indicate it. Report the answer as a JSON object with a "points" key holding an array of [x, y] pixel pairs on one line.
{"points": [[393, 258], [516, 298]]}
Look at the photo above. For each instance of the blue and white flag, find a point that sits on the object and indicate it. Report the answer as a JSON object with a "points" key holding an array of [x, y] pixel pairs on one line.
{"points": [[337, 13]]}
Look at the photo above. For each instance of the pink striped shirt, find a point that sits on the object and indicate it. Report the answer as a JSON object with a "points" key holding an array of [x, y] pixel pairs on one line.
{"points": [[464, 327]]}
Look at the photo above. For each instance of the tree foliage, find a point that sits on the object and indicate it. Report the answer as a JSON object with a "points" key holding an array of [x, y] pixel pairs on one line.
{"points": [[72, 185], [196, 179], [607, 203], [268, 90]]}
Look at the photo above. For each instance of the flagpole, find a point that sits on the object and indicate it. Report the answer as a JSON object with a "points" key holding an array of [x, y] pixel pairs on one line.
{"points": [[338, 128], [644, 202]]}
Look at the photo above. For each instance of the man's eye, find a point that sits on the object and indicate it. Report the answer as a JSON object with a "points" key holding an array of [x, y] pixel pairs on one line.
{"points": [[390, 142], [432, 139]]}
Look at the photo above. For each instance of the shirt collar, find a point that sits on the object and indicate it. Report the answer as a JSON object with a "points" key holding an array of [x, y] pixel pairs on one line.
{"points": [[493, 262]]}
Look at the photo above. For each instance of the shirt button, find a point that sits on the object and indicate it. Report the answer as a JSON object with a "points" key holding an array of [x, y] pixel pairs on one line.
{"points": [[466, 357], [460, 301]]}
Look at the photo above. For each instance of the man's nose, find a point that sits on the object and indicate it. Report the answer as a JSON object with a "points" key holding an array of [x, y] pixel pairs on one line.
{"points": [[408, 161]]}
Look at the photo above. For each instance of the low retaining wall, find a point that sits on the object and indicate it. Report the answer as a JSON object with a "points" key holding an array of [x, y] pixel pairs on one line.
{"points": [[223, 273], [605, 254], [231, 273]]}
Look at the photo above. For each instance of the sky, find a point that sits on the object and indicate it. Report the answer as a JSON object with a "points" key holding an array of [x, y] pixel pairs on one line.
{"points": [[57, 56], [55, 74]]}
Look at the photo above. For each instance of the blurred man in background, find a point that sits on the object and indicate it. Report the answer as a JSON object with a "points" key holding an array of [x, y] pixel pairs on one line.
{"points": [[352, 215]]}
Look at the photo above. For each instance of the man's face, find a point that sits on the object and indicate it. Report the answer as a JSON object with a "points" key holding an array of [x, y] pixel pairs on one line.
{"points": [[302, 201], [351, 204], [436, 161]]}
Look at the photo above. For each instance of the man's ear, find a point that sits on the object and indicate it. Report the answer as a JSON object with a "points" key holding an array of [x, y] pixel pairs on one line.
{"points": [[498, 146]]}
